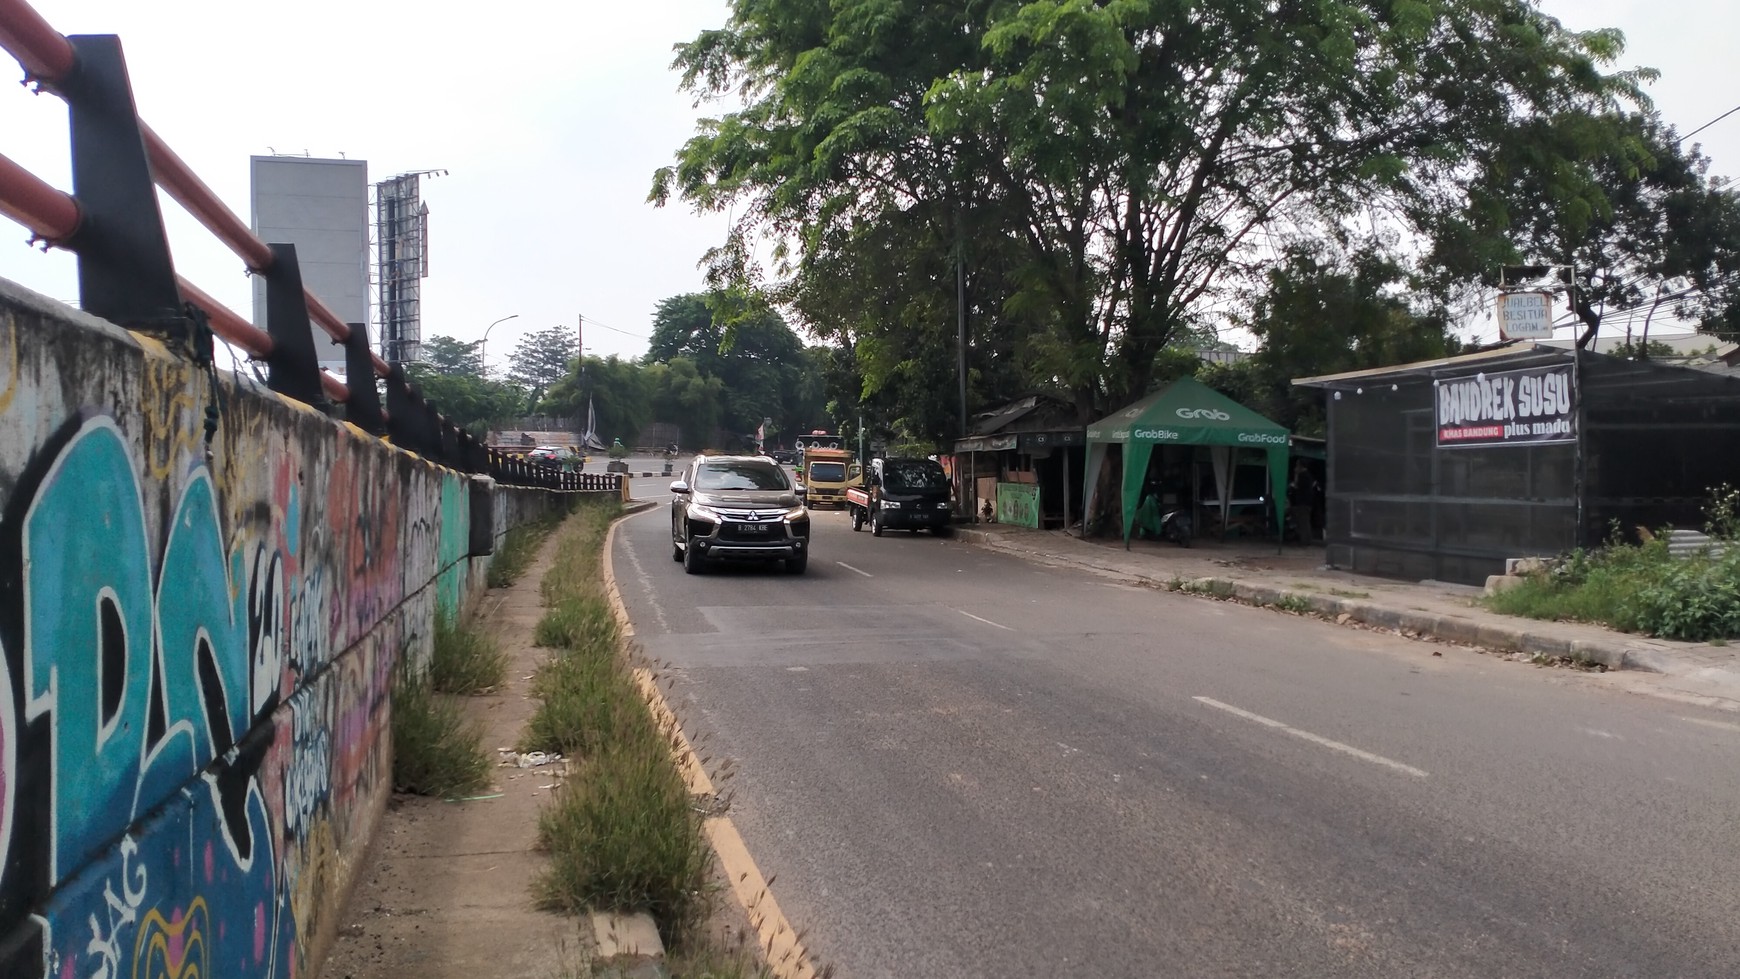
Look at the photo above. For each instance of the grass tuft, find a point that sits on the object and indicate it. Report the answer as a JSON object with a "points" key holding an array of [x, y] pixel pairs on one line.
{"points": [[623, 834], [464, 661], [516, 552], [436, 751]]}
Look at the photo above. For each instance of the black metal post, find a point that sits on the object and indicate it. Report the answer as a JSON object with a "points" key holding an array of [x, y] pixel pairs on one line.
{"points": [[126, 274], [363, 407], [294, 366]]}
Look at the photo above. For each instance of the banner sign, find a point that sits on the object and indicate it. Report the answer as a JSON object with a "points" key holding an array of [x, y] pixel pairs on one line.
{"points": [[1524, 407], [1525, 315]]}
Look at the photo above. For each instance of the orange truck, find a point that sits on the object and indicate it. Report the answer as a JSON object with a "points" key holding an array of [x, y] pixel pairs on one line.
{"points": [[827, 473]]}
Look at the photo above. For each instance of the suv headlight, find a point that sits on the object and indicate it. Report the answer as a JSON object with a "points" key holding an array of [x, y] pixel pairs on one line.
{"points": [[891, 504], [697, 510], [797, 513]]}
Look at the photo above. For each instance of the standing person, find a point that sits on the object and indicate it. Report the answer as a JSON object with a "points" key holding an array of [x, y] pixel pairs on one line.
{"points": [[1307, 496]]}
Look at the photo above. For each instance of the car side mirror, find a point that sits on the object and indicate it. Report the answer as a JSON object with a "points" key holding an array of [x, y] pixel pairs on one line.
{"points": [[802, 491], [680, 488]]}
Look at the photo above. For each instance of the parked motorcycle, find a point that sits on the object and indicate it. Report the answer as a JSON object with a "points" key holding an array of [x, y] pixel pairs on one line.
{"points": [[1175, 527]]}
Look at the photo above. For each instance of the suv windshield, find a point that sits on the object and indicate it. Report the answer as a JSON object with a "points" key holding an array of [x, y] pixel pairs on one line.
{"points": [[828, 472], [740, 476], [914, 476]]}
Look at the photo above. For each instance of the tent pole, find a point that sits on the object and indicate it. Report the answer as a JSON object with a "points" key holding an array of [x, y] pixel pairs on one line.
{"points": [[1066, 491]]}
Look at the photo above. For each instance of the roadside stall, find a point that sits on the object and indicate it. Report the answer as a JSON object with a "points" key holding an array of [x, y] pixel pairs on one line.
{"points": [[1444, 469], [1018, 464], [1188, 413]]}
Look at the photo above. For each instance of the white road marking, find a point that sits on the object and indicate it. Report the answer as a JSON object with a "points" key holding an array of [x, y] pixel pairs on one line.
{"points": [[1720, 725], [1316, 739], [986, 621], [647, 591], [848, 567]]}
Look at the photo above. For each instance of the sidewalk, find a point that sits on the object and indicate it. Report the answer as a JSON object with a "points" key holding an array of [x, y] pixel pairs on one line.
{"points": [[1254, 573]]}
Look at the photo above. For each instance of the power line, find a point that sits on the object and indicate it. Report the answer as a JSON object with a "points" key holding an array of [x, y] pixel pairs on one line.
{"points": [[606, 326], [1707, 125]]}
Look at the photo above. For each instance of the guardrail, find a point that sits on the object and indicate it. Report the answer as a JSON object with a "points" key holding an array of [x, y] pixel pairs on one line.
{"points": [[112, 222]]}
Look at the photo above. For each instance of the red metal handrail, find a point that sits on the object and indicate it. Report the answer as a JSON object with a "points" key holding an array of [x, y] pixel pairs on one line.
{"points": [[41, 49], [47, 56], [48, 213]]}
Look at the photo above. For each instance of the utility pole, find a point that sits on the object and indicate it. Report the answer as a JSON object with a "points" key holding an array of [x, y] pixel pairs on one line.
{"points": [[861, 440], [961, 326]]}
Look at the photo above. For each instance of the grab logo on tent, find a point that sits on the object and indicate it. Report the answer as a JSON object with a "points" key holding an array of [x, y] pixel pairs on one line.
{"points": [[1259, 437], [1157, 434], [1208, 413], [1133, 412]]}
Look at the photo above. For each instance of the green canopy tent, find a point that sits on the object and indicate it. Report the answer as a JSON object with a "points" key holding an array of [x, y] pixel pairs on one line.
{"points": [[1184, 412]]}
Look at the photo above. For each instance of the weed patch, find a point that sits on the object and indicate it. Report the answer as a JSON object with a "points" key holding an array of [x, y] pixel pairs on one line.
{"points": [[623, 832], [436, 750], [624, 835], [464, 661], [1636, 588], [516, 552], [1295, 604]]}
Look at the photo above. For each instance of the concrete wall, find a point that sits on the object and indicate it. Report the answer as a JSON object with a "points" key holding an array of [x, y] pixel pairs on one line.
{"points": [[198, 653]]}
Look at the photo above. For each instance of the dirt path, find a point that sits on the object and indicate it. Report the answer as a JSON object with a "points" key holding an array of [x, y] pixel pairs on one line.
{"points": [[447, 895]]}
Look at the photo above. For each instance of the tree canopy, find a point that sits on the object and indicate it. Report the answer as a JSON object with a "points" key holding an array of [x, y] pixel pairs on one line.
{"points": [[1116, 173], [541, 358]]}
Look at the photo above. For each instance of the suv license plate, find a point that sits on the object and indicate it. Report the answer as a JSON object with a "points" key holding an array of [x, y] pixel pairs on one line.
{"points": [[753, 529]]}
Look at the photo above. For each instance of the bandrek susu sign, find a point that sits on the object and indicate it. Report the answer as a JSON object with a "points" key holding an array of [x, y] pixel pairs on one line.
{"points": [[1525, 407]]}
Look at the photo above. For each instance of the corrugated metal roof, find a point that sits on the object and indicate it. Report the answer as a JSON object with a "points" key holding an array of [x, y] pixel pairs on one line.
{"points": [[1522, 351]]}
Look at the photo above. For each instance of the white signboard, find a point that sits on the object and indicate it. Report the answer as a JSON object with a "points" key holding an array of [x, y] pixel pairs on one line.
{"points": [[1525, 315]]}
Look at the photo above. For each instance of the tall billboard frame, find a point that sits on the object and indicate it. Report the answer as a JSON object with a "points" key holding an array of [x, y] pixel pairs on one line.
{"points": [[402, 262]]}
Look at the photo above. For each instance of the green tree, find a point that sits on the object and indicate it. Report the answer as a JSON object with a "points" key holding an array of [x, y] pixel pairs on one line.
{"points": [[472, 403], [680, 393], [743, 343], [615, 388], [1615, 196], [540, 359], [1325, 313], [1125, 158], [445, 355]]}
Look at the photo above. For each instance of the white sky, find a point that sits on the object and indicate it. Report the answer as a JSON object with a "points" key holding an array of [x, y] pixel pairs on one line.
{"points": [[550, 118]]}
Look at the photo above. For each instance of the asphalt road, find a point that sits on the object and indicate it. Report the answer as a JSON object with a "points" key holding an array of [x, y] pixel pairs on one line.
{"points": [[957, 763]]}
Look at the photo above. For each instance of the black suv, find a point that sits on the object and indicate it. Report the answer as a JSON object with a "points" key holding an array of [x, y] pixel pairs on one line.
{"points": [[738, 507]]}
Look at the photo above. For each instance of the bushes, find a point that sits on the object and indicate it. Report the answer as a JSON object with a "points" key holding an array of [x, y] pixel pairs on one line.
{"points": [[1642, 587]]}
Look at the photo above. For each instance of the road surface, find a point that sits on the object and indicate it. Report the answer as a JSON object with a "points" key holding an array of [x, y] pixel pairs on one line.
{"points": [[958, 763]]}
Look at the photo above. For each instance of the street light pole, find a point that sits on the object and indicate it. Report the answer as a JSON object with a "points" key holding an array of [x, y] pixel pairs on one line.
{"points": [[483, 345]]}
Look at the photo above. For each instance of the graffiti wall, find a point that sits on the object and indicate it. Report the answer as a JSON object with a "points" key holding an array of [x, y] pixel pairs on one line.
{"points": [[198, 637]]}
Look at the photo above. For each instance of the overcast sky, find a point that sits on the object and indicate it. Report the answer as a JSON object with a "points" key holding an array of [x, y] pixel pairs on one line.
{"points": [[549, 118]]}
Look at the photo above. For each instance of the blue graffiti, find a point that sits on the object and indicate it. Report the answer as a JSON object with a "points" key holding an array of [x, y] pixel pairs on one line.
{"points": [[157, 699]]}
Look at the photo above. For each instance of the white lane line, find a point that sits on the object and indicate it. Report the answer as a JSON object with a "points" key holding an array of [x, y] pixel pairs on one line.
{"points": [[986, 621], [848, 567], [1719, 725], [1316, 739]]}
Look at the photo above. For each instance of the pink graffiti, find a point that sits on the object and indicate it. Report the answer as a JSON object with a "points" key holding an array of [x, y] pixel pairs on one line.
{"points": [[259, 932]]}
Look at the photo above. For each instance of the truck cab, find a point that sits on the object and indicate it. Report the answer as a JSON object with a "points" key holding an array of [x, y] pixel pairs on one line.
{"points": [[827, 473], [910, 494]]}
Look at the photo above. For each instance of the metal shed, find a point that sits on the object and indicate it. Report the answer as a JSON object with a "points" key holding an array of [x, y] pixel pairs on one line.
{"points": [[1443, 469]]}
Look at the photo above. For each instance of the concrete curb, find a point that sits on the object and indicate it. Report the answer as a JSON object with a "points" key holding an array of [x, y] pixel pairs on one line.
{"points": [[1524, 637]]}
